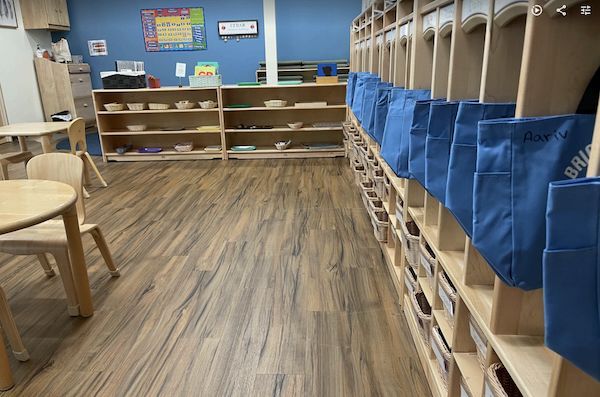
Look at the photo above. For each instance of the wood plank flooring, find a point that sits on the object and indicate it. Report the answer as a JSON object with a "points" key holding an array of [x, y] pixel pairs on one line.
{"points": [[239, 278]]}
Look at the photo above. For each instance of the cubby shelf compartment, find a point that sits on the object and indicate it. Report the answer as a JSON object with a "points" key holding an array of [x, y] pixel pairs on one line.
{"points": [[164, 155], [470, 370]]}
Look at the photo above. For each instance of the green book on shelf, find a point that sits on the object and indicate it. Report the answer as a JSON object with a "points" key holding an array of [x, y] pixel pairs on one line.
{"points": [[248, 84]]}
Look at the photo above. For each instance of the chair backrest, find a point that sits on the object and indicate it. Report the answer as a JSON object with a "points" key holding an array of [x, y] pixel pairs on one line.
{"points": [[76, 132], [60, 167]]}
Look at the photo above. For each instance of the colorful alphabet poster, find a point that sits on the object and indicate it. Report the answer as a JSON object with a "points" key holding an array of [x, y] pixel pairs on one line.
{"points": [[174, 29]]}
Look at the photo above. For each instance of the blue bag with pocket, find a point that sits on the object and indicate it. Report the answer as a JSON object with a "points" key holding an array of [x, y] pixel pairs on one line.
{"points": [[396, 137], [369, 104], [572, 272], [381, 111], [437, 147], [418, 135], [359, 94], [463, 157], [516, 160], [350, 88]]}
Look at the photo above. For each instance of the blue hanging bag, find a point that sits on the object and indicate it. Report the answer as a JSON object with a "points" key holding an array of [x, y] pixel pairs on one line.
{"points": [[437, 147], [418, 135], [369, 105], [359, 94], [381, 111], [463, 157], [516, 160], [572, 272], [350, 88], [396, 137]]}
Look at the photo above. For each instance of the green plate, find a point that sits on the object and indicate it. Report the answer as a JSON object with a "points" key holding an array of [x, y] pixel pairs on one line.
{"points": [[292, 82], [239, 106], [248, 84], [242, 148]]}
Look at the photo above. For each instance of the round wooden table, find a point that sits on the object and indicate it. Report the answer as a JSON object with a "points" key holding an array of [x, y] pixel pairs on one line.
{"points": [[24, 203]]}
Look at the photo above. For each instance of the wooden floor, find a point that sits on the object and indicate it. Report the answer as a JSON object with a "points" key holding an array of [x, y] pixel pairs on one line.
{"points": [[239, 278]]}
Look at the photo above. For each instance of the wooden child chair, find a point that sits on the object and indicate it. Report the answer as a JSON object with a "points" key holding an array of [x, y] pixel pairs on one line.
{"points": [[50, 237], [12, 158], [76, 133]]}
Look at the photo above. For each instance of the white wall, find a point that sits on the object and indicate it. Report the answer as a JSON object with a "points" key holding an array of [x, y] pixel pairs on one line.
{"points": [[17, 73]]}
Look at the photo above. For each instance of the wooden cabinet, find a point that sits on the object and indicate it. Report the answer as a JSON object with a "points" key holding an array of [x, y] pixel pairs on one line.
{"points": [[45, 14], [65, 87]]}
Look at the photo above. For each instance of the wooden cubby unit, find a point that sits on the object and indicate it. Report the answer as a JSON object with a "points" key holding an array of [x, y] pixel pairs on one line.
{"points": [[493, 51]]}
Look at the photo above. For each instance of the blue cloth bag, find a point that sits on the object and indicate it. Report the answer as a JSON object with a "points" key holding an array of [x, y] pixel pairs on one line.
{"points": [[572, 272], [437, 147], [516, 160], [369, 104], [418, 136], [396, 136], [359, 94], [350, 88], [463, 157], [381, 111]]}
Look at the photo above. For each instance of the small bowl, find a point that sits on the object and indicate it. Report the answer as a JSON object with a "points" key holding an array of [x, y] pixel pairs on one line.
{"points": [[136, 127], [296, 125], [282, 145]]}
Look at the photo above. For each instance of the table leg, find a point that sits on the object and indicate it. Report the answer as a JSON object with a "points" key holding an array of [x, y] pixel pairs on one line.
{"points": [[23, 144], [80, 275], [47, 144], [6, 379]]}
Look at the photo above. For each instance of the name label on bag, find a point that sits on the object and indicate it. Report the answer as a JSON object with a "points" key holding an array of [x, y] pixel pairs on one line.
{"points": [[579, 163], [530, 136]]}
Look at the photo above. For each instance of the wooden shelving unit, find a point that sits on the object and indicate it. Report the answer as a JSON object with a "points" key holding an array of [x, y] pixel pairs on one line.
{"points": [[112, 126], [322, 124], [496, 51]]}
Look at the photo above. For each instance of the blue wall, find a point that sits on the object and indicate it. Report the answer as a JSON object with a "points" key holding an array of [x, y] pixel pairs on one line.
{"points": [[306, 30], [315, 29]]}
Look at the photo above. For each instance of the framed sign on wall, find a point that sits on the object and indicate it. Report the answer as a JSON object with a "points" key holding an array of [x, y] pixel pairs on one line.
{"points": [[238, 29], [174, 29]]}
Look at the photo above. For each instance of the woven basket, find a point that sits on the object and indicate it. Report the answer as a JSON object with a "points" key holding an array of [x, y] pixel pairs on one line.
{"points": [[207, 104], [158, 106], [379, 186], [205, 81], [275, 103], [184, 147], [136, 106], [184, 105], [498, 382], [427, 260], [410, 280], [399, 211], [422, 311], [480, 341], [442, 353], [379, 220], [409, 234], [114, 107], [447, 293], [387, 188], [359, 172]]}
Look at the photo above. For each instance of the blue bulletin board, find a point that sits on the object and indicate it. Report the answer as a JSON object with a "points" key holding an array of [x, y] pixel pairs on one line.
{"points": [[174, 29]]}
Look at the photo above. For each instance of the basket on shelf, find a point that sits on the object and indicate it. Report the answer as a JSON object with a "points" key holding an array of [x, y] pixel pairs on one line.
{"points": [[184, 147], [136, 106], [498, 382], [442, 352], [447, 293], [136, 127], [184, 105], [387, 184], [410, 280], [114, 107], [158, 106], [275, 103], [422, 312], [427, 260], [205, 81], [207, 104], [480, 341], [399, 211], [379, 220], [409, 234], [379, 186], [359, 173]]}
